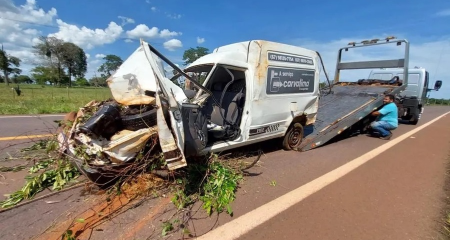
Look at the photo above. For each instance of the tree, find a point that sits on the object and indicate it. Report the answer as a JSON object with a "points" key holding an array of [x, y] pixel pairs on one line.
{"points": [[111, 64], [193, 54], [98, 81], [74, 59], [9, 64], [59, 55], [42, 74], [50, 49], [22, 79], [82, 82]]}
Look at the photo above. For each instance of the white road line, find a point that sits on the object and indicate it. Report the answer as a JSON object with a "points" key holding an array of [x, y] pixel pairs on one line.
{"points": [[256, 217], [33, 116]]}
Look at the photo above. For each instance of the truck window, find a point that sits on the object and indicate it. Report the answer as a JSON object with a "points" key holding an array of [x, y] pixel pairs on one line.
{"points": [[426, 79], [413, 78], [382, 76]]}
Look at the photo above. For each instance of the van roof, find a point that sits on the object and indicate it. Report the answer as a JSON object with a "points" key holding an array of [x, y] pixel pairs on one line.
{"points": [[230, 58], [236, 53]]}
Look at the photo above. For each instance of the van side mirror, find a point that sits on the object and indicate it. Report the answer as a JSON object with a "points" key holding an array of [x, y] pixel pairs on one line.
{"points": [[437, 85]]}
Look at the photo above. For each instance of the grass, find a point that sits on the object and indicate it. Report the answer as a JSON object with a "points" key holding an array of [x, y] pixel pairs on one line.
{"points": [[38, 99]]}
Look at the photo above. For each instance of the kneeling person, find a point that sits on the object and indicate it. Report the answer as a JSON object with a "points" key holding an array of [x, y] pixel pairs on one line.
{"points": [[387, 118]]}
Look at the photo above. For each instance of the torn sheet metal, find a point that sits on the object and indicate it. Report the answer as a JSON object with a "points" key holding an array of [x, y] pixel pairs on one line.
{"points": [[173, 155], [126, 144], [133, 78], [171, 138]]}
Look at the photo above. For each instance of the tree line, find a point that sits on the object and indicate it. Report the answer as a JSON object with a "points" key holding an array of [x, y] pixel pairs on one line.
{"points": [[59, 63], [62, 63]]}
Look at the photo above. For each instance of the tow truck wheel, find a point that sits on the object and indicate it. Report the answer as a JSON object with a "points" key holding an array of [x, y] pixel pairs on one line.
{"points": [[414, 120], [293, 137]]}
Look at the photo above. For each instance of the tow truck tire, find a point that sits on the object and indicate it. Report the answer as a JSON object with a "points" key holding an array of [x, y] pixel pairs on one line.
{"points": [[414, 120], [293, 137]]}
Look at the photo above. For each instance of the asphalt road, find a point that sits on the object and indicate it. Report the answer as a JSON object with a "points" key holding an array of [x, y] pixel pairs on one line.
{"points": [[23, 126], [397, 195], [16, 133]]}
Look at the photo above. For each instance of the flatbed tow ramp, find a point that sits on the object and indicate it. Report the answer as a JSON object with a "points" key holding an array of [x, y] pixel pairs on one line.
{"points": [[349, 103]]}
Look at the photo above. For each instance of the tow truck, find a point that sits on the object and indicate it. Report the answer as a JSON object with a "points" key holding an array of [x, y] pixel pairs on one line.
{"points": [[347, 106], [411, 102]]}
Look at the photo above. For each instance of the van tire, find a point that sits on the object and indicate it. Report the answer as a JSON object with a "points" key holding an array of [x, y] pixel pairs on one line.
{"points": [[293, 137], [139, 121]]}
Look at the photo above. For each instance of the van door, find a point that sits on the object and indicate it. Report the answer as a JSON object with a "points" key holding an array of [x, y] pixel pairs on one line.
{"points": [[189, 125], [169, 98]]}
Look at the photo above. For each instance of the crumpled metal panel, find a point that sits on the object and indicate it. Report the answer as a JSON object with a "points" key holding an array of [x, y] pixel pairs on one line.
{"points": [[135, 76], [127, 145], [173, 155]]}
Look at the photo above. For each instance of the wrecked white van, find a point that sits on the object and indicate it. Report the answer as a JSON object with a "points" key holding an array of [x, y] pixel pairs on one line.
{"points": [[250, 92]]}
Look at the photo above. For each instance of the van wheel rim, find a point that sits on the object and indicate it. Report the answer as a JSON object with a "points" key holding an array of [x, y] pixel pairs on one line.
{"points": [[294, 138]]}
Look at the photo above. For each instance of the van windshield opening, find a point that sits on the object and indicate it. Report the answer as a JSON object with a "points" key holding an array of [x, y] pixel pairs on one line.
{"points": [[197, 73]]}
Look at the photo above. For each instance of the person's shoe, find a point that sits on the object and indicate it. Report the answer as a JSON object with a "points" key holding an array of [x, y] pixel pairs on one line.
{"points": [[387, 137]]}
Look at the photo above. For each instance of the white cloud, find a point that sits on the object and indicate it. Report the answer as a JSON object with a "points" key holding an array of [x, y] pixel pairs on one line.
{"points": [[166, 33], [173, 44], [153, 9], [14, 21], [126, 20], [173, 16], [431, 55], [86, 37], [7, 6], [200, 40], [143, 31], [23, 53], [27, 12], [88, 56], [443, 13], [100, 56], [128, 40]]}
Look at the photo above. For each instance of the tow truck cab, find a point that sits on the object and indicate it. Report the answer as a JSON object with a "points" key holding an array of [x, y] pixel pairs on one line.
{"points": [[410, 102]]}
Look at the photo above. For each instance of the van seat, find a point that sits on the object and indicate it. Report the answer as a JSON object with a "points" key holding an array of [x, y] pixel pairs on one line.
{"points": [[232, 105]]}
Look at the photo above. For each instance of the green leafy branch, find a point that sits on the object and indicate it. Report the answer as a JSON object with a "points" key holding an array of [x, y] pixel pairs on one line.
{"points": [[62, 173]]}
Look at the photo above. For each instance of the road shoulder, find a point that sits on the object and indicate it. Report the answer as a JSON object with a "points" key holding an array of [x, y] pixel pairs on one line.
{"points": [[397, 195]]}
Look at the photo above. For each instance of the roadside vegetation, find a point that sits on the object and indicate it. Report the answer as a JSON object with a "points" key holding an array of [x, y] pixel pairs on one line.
{"points": [[38, 99], [211, 181], [42, 99], [50, 170]]}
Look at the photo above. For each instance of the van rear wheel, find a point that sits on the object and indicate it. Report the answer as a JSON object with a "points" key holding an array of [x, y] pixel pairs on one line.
{"points": [[293, 137]]}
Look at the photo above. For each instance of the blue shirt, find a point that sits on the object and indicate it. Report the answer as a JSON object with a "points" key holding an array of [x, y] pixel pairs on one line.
{"points": [[389, 113]]}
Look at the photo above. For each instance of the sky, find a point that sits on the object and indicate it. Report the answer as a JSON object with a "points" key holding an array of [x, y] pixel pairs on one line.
{"points": [[103, 27]]}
